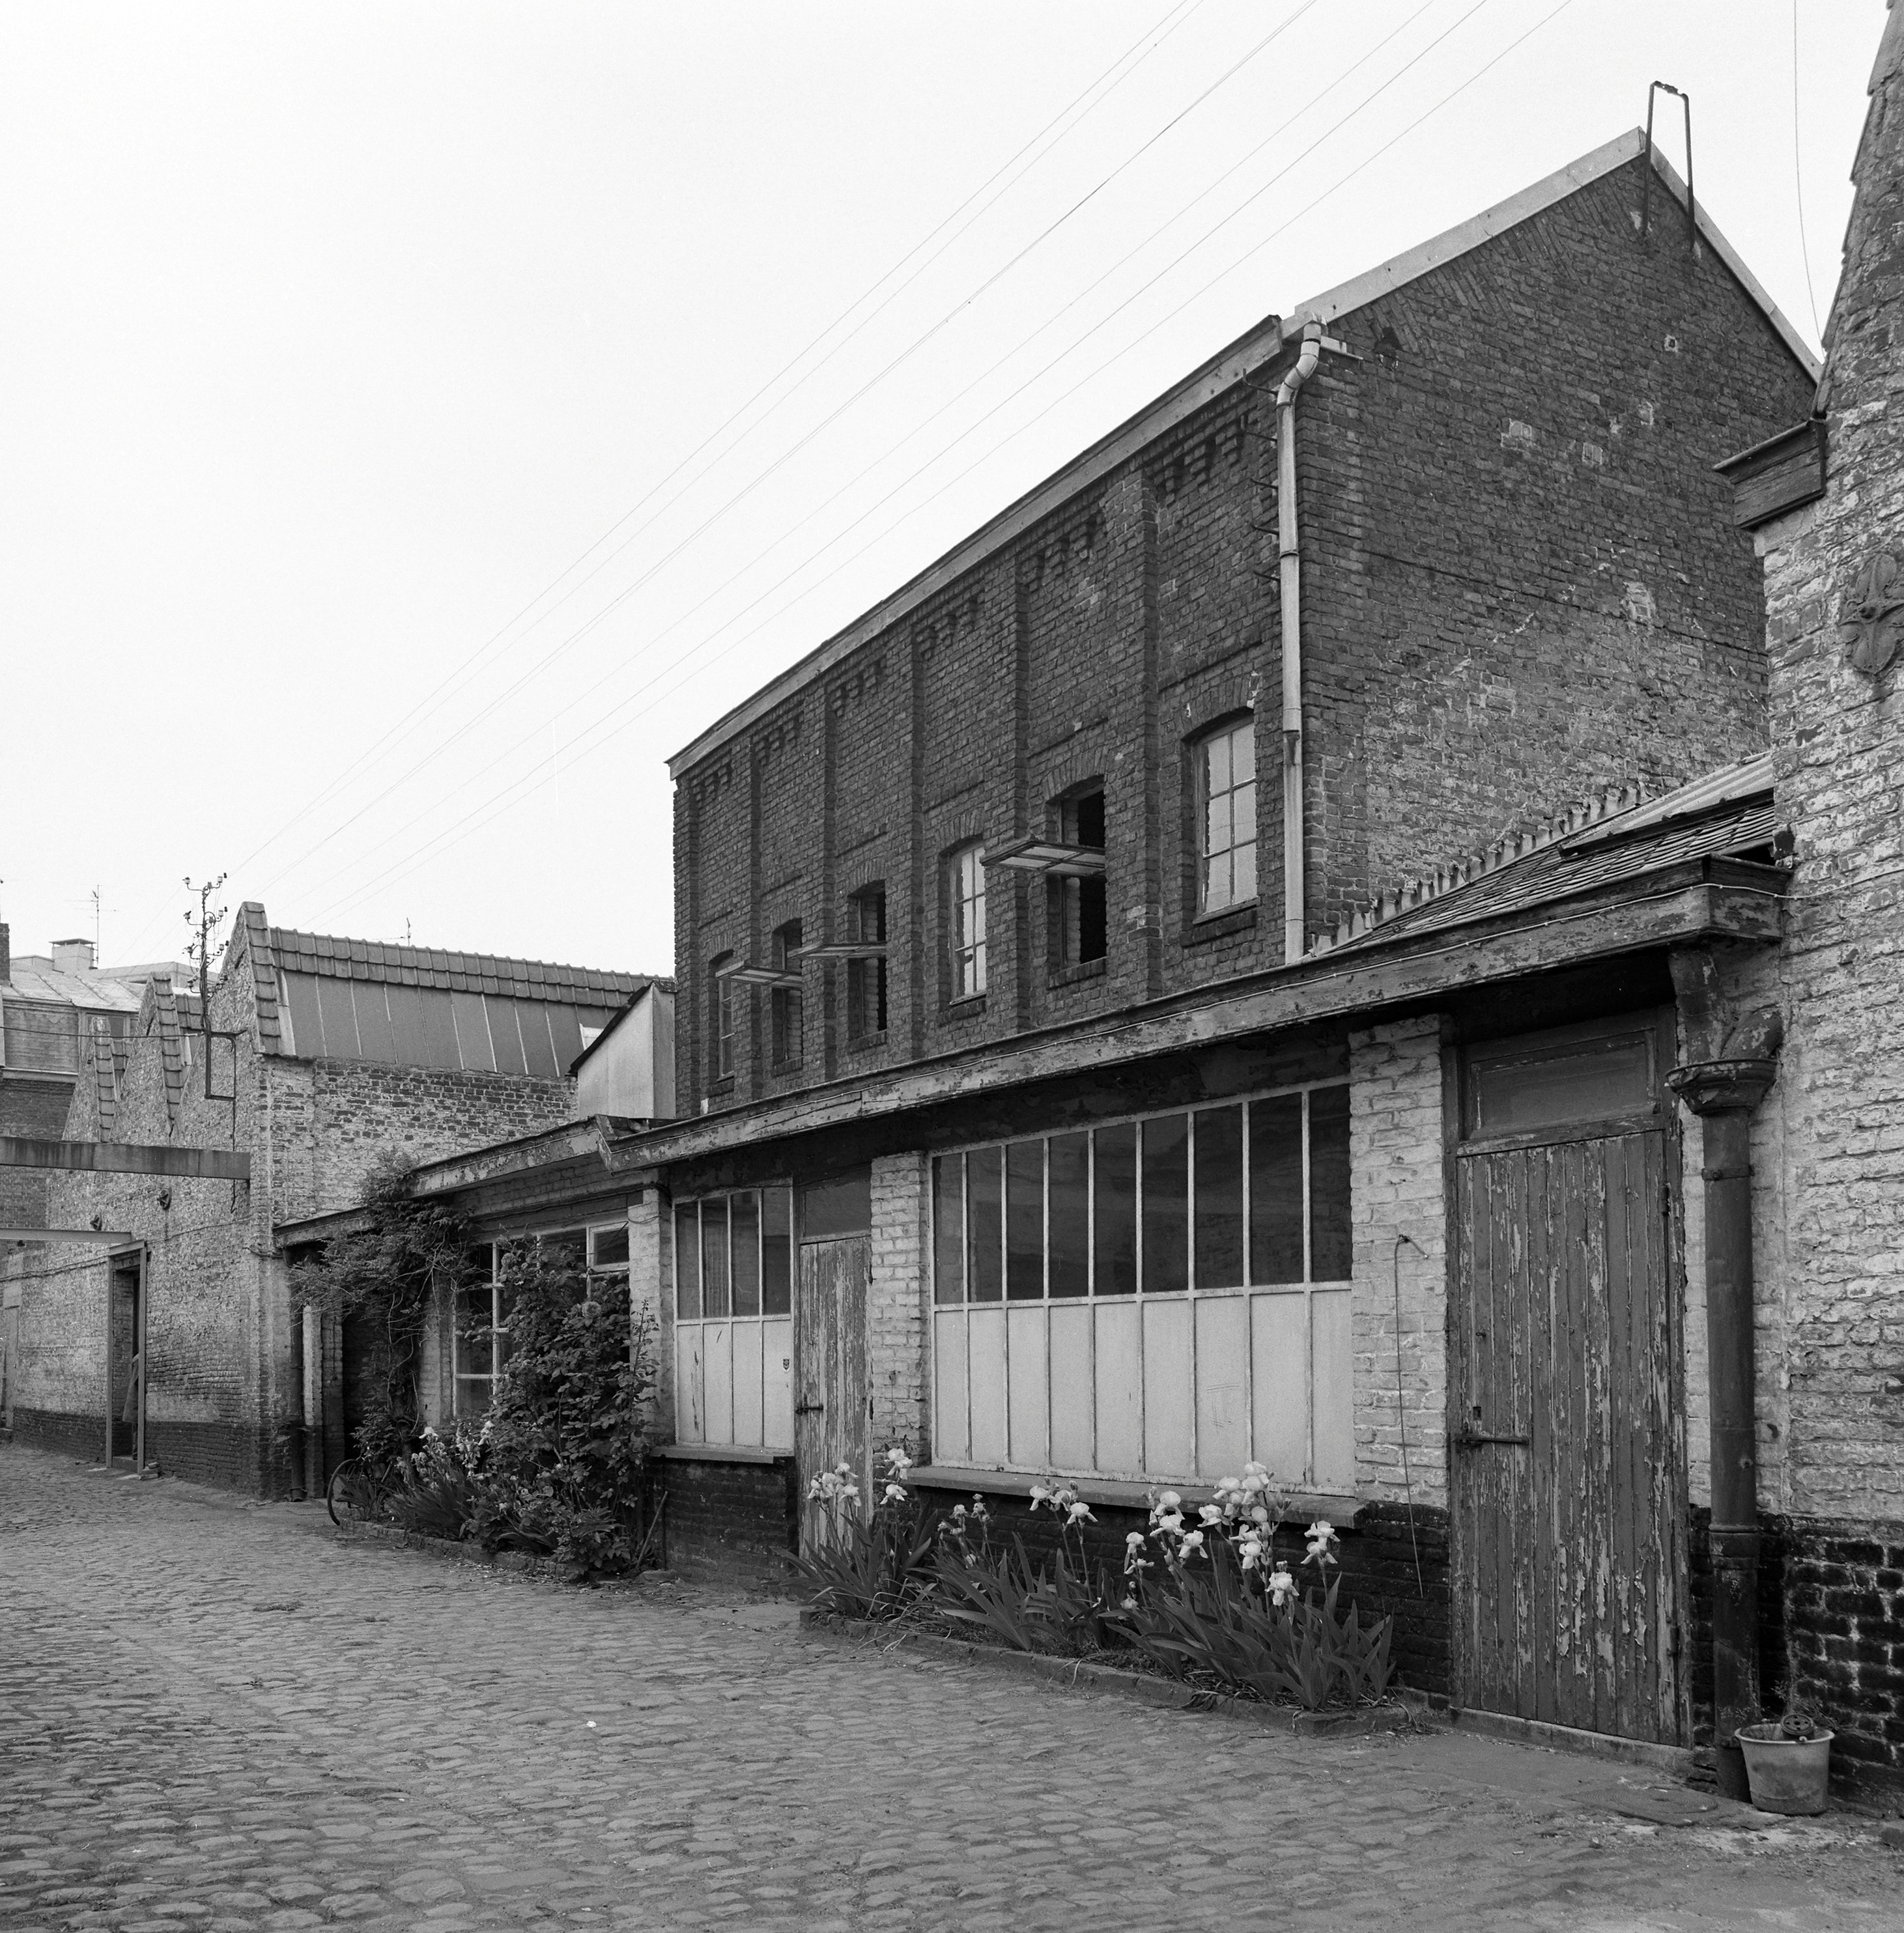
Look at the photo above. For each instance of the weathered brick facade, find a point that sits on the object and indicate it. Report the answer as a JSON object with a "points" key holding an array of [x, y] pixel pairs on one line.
{"points": [[1520, 581], [228, 1371]]}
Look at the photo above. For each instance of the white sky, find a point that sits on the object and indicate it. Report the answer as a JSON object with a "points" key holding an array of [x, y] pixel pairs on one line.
{"points": [[334, 335]]}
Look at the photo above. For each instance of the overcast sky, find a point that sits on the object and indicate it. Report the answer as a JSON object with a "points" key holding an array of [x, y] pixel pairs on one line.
{"points": [[421, 420]]}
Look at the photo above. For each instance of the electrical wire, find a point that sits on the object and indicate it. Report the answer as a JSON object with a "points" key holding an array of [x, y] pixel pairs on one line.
{"points": [[1798, 182]]}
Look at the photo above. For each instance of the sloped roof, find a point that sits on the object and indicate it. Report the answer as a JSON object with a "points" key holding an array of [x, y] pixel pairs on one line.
{"points": [[1248, 353], [330, 956], [1723, 814]]}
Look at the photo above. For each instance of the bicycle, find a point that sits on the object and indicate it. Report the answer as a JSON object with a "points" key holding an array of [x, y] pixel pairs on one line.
{"points": [[358, 1487]]}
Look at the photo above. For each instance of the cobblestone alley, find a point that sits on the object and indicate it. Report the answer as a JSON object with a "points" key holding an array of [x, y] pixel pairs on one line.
{"points": [[222, 1714]]}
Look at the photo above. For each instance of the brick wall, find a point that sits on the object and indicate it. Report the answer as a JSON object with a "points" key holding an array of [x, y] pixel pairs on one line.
{"points": [[897, 1374], [37, 1110], [1838, 1278], [734, 1518], [1520, 582], [1397, 1189]]}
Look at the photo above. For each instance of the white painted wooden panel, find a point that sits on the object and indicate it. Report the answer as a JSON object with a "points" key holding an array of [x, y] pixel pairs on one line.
{"points": [[777, 1381], [717, 1366], [987, 1359], [747, 1412], [1119, 1372], [1279, 1358], [690, 1408], [1331, 1341], [1168, 1401], [1223, 1385], [1027, 1406], [1071, 1380], [950, 1442]]}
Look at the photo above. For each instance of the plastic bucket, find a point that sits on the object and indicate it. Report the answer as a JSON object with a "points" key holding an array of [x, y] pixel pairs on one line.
{"points": [[1786, 1775]]}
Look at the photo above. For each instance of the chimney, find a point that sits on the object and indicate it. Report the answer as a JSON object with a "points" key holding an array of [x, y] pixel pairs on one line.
{"points": [[6, 953], [72, 956]]}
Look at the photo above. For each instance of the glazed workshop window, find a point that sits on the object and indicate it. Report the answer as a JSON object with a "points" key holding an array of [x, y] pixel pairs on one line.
{"points": [[965, 922], [720, 1013], [479, 1332], [866, 978], [1078, 921], [787, 1006], [1226, 817], [733, 1339], [1163, 1297]]}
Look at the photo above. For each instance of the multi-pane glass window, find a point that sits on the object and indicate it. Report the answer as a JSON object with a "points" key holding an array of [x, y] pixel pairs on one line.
{"points": [[1080, 902], [733, 1273], [720, 1009], [479, 1329], [866, 978], [965, 895], [1226, 788], [1162, 1297], [787, 1007]]}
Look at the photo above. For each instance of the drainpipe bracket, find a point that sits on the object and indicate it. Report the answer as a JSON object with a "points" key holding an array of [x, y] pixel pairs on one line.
{"points": [[1722, 1087]]}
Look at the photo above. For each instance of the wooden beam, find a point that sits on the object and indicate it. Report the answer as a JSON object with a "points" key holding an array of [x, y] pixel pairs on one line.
{"points": [[190, 1164], [111, 1238]]}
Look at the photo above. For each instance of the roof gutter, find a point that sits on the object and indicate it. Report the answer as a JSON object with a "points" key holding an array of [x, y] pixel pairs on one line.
{"points": [[1289, 550]]}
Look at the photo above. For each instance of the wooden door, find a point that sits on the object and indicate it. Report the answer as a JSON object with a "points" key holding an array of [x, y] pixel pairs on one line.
{"points": [[829, 1368], [1566, 1471]]}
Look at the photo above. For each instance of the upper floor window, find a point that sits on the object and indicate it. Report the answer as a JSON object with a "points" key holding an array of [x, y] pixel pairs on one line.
{"points": [[1080, 920], [965, 896], [787, 1006], [720, 1008], [866, 978], [1226, 799]]}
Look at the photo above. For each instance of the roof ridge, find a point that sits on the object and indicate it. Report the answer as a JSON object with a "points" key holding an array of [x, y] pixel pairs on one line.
{"points": [[345, 950], [1609, 802]]}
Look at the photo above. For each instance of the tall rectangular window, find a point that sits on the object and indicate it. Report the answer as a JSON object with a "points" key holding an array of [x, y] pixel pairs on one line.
{"points": [[866, 978], [788, 1005], [1081, 919], [1226, 788], [720, 1009], [733, 1331], [965, 895]]}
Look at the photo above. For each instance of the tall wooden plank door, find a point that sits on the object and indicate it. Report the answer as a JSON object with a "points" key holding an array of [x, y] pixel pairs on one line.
{"points": [[1564, 1462], [829, 1369]]}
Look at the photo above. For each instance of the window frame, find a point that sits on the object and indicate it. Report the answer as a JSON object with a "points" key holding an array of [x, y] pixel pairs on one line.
{"points": [[1228, 732], [786, 1011], [867, 984], [967, 975], [693, 1340], [1006, 1307], [720, 1029], [1069, 897]]}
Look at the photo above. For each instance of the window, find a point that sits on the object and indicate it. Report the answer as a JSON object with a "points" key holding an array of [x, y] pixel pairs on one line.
{"points": [[1078, 923], [866, 978], [720, 1008], [965, 894], [479, 1340], [1227, 799], [1163, 1297], [787, 1005], [733, 1318]]}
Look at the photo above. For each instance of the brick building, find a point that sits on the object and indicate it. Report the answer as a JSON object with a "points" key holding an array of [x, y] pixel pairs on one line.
{"points": [[321, 1055], [1073, 1085]]}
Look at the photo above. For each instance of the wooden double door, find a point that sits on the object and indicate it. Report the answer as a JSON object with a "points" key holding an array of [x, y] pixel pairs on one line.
{"points": [[1566, 1465]]}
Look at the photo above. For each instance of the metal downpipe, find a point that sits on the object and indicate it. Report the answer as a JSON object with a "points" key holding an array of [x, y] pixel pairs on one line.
{"points": [[1289, 604]]}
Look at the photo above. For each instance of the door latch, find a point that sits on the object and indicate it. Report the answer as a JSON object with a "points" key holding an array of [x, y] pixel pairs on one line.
{"points": [[809, 1409], [1470, 1436]]}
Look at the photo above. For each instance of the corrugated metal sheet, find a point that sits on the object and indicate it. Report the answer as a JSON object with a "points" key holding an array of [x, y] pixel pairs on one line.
{"points": [[346, 1019]]}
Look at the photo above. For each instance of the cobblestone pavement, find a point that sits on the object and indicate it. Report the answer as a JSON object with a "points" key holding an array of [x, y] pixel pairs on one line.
{"points": [[218, 1714]]}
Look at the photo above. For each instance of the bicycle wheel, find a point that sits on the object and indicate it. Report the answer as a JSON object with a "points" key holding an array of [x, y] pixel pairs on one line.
{"points": [[351, 1493]]}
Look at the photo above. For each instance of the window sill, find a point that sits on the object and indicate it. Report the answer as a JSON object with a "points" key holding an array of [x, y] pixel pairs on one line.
{"points": [[783, 1070], [1078, 971], [1220, 925], [866, 1043], [719, 1452], [967, 1009], [718, 1090], [1341, 1511]]}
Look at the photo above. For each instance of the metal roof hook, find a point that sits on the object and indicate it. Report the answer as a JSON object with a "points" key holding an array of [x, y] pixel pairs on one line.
{"points": [[1646, 186]]}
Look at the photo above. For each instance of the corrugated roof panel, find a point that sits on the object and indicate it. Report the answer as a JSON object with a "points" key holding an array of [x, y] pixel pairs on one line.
{"points": [[424, 1031], [340, 1019], [538, 1046], [505, 1035], [474, 1050], [375, 1036]]}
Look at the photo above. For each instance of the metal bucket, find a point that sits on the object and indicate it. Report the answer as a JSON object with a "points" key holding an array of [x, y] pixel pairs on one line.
{"points": [[1786, 1775]]}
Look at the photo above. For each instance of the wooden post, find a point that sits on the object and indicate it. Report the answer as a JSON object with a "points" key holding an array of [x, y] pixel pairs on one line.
{"points": [[139, 1332]]}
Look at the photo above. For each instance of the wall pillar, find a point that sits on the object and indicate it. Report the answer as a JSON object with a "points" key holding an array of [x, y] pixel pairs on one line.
{"points": [[650, 1297], [898, 1376]]}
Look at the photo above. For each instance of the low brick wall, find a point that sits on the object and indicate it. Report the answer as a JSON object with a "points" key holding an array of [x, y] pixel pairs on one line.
{"points": [[733, 1517], [55, 1430]]}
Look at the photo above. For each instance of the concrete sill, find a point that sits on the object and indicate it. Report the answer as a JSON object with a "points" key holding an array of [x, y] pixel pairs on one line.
{"points": [[1340, 1511], [1078, 971], [718, 1453], [963, 1010]]}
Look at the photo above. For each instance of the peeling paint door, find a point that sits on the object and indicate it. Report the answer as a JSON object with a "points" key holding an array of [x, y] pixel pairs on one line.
{"points": [[1566, 1469], [829, 1368]]}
